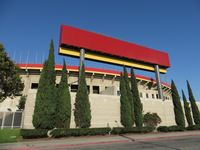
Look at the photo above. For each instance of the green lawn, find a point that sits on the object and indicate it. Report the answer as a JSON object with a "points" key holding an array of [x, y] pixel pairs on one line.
{"points": [[9, 135]]}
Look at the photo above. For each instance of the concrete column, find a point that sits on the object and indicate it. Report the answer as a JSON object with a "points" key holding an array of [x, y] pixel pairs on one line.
{"points": [[159, 85], [82, 59]]}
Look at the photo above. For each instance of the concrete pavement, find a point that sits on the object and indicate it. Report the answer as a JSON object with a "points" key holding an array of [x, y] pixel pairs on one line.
{"points": [[80, 142]]}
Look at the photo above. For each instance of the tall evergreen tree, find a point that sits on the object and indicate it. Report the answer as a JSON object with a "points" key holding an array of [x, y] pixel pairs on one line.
{"points": [[195, 110], [178, 111], [45, 104], [187, 110], [129, 94], [136, 100], [82, 112], [125, 107], [63, 109], [10, 81]]}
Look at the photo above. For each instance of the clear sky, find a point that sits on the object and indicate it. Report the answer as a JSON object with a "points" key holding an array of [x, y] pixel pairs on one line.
{"points": [[173, 26]]}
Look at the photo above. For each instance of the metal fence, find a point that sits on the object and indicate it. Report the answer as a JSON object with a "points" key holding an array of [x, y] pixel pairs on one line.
{"points": [[11, 119]]}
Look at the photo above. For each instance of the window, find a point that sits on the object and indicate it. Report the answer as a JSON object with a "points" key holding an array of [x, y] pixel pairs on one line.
{"points": [[147, 95], [153, 96], [34, 85], [141, 94], [74, 88], [157, 96], [96, 89]]}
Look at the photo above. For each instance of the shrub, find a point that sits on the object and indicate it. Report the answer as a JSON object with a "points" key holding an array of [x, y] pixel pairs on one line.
{"points": [[176, 128], [162, 129], [79, 132], [193, 127], [121, 130], [151, 120], [33, 133], [22, 102], [170, 128]]}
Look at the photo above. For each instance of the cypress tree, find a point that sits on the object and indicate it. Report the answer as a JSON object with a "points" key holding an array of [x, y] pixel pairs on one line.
{"points": [[187, 110], [195, 110], [136, 100], [44, 112], [178, 111], [63, 113], [129, 95], [82, 112], [125, 108]]}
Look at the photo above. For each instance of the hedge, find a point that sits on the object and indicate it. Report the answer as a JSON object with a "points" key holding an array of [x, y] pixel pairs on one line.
{"points": [[79, 132], [57, 133], [33, 133], [170, 128], [176, 128], [121, 130], [193, 127], [162, 129]]}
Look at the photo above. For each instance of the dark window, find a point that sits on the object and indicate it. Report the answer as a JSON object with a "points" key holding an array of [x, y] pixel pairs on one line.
{"points": [[153, 96], [34, 85], [74, 88], [147, 95], [96, 89], [157, 96]]}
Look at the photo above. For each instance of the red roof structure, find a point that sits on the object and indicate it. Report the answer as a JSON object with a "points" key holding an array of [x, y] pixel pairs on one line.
{"points": [[105, 45]]}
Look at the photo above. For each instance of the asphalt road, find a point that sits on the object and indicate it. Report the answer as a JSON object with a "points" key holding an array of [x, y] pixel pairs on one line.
{"points": [[183, 143]]}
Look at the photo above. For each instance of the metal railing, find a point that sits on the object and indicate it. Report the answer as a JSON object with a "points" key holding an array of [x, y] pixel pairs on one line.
{"points": [[11, 119]]}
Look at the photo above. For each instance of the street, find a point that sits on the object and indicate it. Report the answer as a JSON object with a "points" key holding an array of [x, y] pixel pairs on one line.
{"points": [[184, 143]]}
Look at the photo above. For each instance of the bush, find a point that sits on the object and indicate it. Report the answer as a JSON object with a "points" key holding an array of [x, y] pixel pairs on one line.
{"points": [[33, 133], [79, 132], [151, 120], [121, 130], [162, 129], [22, 102], [176, 128], [170, 128], [193, 127]]}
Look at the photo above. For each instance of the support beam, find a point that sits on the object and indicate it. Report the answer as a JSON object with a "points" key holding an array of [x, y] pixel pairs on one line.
{"points": [[159, 85], [82, 59]]}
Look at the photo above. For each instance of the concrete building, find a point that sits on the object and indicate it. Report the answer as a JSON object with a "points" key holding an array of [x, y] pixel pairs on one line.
{"points": [[104, 95]]}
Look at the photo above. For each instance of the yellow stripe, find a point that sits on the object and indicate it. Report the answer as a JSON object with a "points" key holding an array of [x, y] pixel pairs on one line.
{"points": [[109, 59]]}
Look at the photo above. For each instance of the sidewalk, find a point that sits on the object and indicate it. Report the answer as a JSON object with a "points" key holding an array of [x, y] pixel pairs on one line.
{"points": [[46, 144]]}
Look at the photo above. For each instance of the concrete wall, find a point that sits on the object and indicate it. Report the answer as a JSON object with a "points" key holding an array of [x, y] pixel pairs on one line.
{"points": [[105, 110]]}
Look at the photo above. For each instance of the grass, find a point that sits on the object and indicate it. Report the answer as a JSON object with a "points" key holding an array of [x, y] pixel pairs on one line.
{"points": [[9, 135]]}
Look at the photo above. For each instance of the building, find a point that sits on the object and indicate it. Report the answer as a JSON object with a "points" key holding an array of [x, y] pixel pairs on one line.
{"points": [[104, 95]]}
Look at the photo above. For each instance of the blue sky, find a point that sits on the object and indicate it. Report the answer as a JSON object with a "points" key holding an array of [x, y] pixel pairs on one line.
{"points": [[172, 26]]}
